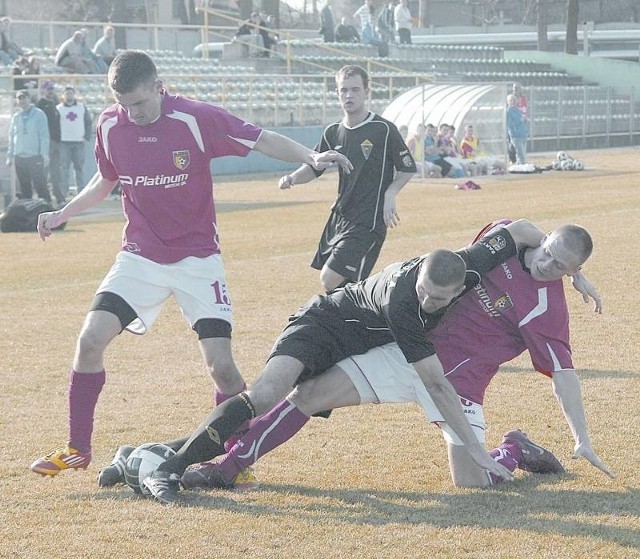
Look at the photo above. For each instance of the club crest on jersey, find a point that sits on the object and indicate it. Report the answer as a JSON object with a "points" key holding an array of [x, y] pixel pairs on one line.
{"points": [[181, 159], [503, 302], [366, 148], [495, 243]]}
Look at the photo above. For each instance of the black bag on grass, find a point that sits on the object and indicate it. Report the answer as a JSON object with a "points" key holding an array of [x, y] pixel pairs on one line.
{"points": [[21, 216]]}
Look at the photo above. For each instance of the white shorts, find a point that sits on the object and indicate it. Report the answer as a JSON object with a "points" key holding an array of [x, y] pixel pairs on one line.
{"points": [[198, 285], [383, 376]]}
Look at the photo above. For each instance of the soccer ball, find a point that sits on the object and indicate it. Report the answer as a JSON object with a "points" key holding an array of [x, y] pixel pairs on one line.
{"points": [[578, 165], [143, 461], [562, 156], [567, 165]]}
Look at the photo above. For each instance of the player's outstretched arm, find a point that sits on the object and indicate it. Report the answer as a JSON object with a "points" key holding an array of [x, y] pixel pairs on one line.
{"points": [[301, 175], [582, 284], [447, 401], [566, 387], [280, 147], [97, 189]]}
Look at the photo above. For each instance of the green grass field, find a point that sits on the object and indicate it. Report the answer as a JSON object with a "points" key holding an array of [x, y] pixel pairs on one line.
{"points": [[372, 481]]}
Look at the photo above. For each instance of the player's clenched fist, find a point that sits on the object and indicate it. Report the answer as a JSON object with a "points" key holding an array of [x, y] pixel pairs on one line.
{"points": [[47, 222]]}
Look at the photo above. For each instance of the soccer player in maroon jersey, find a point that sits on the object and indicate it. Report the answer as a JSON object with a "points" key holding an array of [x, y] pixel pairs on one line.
{"points": [[158, 147]]}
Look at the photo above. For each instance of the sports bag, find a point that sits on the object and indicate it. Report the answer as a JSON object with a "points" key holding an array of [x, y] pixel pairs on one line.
{"points": [[21, 216]]}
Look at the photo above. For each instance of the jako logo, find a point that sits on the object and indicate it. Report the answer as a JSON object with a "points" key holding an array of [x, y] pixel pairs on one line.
{"points": [[147, 140]]}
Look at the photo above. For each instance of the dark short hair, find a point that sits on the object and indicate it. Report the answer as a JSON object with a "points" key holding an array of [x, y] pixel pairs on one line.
{"points": [[353, 70], [22, 93], [444, 268], [130, 69]]}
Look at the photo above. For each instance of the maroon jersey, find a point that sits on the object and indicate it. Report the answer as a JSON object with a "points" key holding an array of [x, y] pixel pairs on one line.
{"points": [[507, 313], [164, 170]]}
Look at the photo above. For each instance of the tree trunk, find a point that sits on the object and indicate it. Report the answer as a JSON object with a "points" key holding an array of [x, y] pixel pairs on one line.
{"points": [[571, 41], [543, 39]]}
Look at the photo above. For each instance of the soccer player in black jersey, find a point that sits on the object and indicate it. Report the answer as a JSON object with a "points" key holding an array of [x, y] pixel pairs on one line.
{"points": [[399, 304], [366, 201]]}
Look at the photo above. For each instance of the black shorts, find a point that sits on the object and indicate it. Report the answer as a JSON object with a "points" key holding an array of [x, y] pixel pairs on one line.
{"points": [[348, 248], [319, 337]]}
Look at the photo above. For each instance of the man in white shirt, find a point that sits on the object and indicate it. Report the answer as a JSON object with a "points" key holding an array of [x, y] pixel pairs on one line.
{"points": [[404, 22]]}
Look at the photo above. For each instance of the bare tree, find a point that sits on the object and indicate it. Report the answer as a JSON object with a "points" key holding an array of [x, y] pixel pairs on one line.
{"points": [[571, 41]]}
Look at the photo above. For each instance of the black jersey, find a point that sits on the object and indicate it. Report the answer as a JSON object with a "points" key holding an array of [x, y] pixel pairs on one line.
{"points": [[387, 301], [376, 150]]}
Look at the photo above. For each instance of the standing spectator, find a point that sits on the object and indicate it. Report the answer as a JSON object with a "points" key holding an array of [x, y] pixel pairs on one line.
{"points": [[171, 245], [75, 130], [105, 47], [47, 104], [521, 99], [517, 129], [29, 147], [327, 24], [71, 55], [404, 132], [366, 202], [9, 50], [345, 32], [404, 22], [386, 23], [365, 14]]}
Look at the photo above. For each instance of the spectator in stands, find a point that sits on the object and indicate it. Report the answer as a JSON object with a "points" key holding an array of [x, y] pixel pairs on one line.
{"points": [[9, 50], [365, 14], [47, 104], [105, 47], [326, 24], [432, 152], [470, 150], [448, 153], [29, 147], [252, 37], [71, 55], [416, 145], [404, 22], [75, 130], [27, 66], [98, 65], [386, 23], [346, 32], [517, 129]]}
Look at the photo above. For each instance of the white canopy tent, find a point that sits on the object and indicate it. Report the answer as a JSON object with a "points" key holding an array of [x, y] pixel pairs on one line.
{"points": [[482, 105]]}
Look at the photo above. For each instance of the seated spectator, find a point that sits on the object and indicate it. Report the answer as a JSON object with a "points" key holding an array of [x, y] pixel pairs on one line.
{"points": [[470, 150], [251, 37], [9, 50], [105, 47], [448, 153], [98, 65], [346, 32], [431, 151], [71, 55], [416, 145], [404, 132]]}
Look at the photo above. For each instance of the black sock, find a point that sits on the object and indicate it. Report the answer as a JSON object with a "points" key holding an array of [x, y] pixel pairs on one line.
{"points": [[207, 441]]}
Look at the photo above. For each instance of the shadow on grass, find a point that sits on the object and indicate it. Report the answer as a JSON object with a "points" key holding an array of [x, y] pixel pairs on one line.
{"points": [[518, 506]]}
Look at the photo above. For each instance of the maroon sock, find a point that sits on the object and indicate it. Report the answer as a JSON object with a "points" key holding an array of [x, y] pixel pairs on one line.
{"points": [[266, 433], [218, 398], [84, 389], [507, 454]]}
